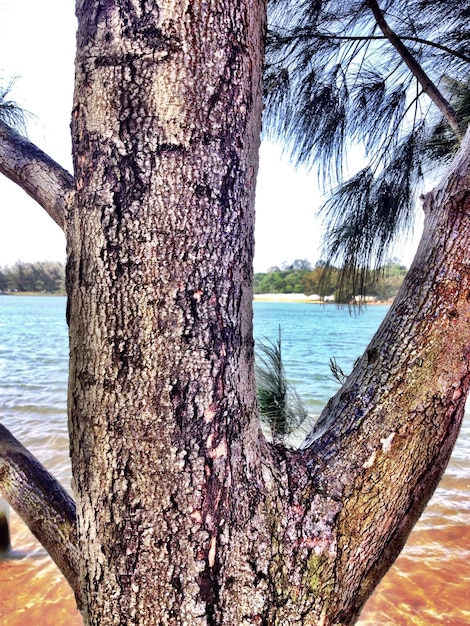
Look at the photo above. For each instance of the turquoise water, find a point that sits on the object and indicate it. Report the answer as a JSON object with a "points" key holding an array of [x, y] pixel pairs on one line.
{"points": [[34, 353], [33, 377], [33, 390], [34, 361], [311, 335]]}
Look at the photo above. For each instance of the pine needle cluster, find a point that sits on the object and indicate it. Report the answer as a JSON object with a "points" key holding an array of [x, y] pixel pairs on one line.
{"points": [[385, 85], [10, 111], [279, 404]]}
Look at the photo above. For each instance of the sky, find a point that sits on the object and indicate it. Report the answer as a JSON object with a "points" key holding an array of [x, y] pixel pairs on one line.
{"points": [[37, 45]]}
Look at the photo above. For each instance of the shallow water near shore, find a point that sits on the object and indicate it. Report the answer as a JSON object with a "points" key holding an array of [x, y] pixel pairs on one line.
{"points": [[428, 585]]}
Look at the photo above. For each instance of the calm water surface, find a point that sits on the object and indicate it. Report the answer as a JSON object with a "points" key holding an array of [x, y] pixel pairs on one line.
{"points": [[428, 585]]}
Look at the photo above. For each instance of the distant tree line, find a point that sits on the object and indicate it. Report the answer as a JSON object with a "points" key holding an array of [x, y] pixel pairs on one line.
{"points": [[41, 277], [302, 277]]}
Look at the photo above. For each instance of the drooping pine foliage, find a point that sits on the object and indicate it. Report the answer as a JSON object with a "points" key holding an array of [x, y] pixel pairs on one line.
{"points": [[386, 85], [10, 111], [280, 406]]}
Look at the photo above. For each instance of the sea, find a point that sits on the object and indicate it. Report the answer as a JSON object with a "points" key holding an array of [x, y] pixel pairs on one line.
{"points": [[429, 584]]}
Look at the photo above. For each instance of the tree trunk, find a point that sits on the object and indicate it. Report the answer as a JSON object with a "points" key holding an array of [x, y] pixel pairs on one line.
{"points": [[164, 435], [186, 515]]}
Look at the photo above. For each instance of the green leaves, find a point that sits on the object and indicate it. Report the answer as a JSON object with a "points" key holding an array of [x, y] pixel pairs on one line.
{"points": [[363, 215]]}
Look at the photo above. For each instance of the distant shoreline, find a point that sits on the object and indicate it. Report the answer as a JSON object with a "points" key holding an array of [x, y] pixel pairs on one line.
{"points": [[302, 298], [32, 293], [285, 297], [258, 297]]}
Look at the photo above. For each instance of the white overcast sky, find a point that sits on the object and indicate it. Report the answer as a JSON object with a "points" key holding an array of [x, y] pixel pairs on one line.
{"points": [[37, 44]]}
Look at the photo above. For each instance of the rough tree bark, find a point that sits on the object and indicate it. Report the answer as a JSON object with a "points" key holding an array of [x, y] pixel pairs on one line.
{"points": [[165, 452], [186, 515]]}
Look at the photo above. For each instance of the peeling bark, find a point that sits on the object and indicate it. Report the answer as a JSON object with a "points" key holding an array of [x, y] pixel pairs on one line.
{"points": [[42, 503], [36, 173]]}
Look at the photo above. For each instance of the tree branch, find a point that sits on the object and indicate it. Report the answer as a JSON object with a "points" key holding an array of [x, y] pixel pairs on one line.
{"points": [[36, 173], [42, 503], [383, 442], [424, 80]]}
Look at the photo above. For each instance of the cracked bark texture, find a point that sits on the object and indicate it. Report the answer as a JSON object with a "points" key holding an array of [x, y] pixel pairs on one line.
{"points": [[36, 173], [164, 435]]}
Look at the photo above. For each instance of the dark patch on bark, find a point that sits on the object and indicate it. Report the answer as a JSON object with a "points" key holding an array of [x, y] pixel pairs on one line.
{"points": [[5, 541], [69, 284], [128, 354], [81, 273], [177, 585], [372, 355], [203, 192], [131, 182], [228, 191], [129, 187], [178, 396], [90, 16], [86, 379], [169, 148], [227, 88], [144, 28], [209, 592]]}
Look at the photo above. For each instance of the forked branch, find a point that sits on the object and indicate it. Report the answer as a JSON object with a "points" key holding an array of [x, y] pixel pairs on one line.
{"points": [[383, 442]]}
